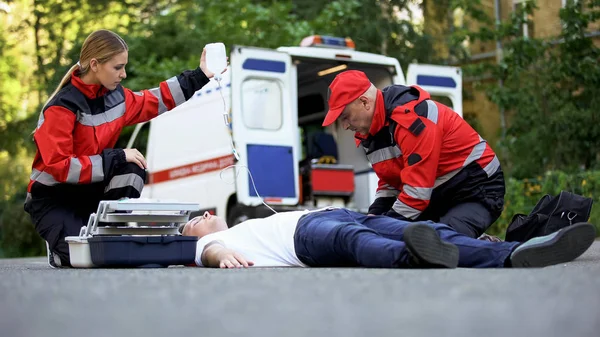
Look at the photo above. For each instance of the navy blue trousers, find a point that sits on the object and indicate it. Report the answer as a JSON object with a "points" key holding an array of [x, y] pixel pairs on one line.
{"points": [[342, 238]]}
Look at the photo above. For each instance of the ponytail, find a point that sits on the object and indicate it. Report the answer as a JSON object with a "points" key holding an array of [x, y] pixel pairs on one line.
{"points": [[63, 82], [101, 45]]}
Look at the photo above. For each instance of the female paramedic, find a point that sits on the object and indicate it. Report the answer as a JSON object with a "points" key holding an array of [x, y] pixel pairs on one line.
{"points": [[76, 165]]}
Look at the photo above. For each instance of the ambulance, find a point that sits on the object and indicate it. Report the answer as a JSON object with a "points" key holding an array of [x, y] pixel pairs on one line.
{"points": [[267, 110]]}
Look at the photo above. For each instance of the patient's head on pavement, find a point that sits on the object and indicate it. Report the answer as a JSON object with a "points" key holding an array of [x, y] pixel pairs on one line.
{"points": [[204, 225]]}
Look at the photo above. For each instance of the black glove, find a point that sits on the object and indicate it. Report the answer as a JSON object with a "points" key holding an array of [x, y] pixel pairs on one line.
{"points": [[393, 214], [381, 205]]}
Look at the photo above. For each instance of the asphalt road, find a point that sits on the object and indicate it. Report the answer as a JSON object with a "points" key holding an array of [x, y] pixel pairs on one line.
{"points": [[562, 300]]}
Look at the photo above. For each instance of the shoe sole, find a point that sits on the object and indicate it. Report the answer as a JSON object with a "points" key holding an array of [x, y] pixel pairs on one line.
{"points": [[568, 244], [424, 243], [50, 256]]}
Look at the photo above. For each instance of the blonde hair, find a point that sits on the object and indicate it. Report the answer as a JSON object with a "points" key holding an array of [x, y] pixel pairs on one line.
{"points": [[101, 45]]}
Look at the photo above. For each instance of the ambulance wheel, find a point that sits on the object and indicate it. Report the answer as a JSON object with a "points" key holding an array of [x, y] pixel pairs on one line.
{"points": [[239, 213]]}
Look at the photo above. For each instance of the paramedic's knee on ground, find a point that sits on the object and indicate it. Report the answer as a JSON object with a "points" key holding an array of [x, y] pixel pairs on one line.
{"points": [[471, 218], [127, 182]]}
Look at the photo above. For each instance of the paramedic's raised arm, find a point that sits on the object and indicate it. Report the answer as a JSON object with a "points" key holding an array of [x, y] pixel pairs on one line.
{"points": [[218, 256], [144, 105]]}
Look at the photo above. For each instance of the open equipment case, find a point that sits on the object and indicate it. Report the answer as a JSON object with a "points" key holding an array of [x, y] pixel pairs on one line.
{"points": [[134, 233]]}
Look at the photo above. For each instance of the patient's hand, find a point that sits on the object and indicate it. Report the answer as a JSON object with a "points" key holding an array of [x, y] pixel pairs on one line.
{"points": [[216, 255], [230, 259]]}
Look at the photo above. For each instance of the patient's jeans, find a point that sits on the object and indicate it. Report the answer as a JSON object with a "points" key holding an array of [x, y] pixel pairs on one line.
{"points": [[338, 238]]}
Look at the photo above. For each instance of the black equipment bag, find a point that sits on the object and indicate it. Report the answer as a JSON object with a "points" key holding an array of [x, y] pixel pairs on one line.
{"points": [[549, 215]]}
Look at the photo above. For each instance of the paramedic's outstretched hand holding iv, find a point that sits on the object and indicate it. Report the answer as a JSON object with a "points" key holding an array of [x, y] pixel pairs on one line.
{"points": [[136, 157], [204, 67], [213, 61]]}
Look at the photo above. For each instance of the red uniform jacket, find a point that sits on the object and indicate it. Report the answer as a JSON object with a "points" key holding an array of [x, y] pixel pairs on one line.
{"points": [[415, 146], [77, 130]]}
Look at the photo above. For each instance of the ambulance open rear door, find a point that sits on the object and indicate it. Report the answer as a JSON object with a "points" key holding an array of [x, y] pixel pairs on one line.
{"points": [[265, 125], [438, 81]]}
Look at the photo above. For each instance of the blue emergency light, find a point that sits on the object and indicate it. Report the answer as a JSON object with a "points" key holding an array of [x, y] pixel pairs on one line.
{"points": [[327, 41]]}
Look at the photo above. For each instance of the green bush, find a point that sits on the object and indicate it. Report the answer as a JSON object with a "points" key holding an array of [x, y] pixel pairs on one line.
{"points": [[522, 195], [18, 237]]}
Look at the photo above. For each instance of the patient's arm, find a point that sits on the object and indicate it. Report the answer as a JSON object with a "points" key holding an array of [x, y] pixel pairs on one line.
{"points": [[216, 255]]}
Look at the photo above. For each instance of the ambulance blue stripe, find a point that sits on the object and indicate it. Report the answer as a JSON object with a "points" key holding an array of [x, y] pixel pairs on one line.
{"points": [[436, 81], [208, 91], [264, 65]]}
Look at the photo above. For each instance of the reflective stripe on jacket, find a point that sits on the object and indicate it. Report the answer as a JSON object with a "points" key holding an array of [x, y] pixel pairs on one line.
{"points": [[78, 129], [422, 145]]}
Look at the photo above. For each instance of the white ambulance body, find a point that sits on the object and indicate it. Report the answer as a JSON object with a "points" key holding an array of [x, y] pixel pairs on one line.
{"points": [[276, 101]]}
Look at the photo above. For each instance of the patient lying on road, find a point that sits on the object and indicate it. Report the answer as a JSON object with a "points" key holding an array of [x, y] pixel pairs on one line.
{"points": [[335, 237]]}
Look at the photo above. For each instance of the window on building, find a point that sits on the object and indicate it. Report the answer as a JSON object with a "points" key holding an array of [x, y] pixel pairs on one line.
{"points": [[564, 2], [519, 6], [262, 104]]}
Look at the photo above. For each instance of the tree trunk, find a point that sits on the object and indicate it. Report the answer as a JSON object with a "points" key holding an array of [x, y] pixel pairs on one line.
{"points": [[385, 13], [41, 69]]}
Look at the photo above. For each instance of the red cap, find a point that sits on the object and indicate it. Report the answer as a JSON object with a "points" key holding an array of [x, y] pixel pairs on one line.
{"points": [[345, 88]]}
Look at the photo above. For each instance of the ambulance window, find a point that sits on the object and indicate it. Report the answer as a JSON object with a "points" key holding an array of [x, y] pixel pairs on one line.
{"points": [[262, 104]]}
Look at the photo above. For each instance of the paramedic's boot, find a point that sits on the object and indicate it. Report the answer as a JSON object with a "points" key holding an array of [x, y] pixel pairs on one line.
{"points": [[53, 259], [562, 246], [427, 249]]}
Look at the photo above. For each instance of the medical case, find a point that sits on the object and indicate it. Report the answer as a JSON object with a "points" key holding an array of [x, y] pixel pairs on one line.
{"points": [[134, 233], [332, 179]]}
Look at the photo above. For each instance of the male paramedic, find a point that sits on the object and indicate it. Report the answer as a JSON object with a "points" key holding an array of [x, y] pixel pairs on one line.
{"points": [[431, 164], [335, 237]]}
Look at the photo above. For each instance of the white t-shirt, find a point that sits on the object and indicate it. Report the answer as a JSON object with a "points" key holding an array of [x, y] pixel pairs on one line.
{"points": [[267, 242]]}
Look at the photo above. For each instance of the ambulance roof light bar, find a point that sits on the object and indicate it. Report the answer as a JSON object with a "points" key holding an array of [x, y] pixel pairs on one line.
{"points": [[327, 41]]}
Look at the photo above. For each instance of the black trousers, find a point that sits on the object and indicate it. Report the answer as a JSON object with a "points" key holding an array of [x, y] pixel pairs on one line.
{"points": [[60, 211], [470, 202], [470, 218]]}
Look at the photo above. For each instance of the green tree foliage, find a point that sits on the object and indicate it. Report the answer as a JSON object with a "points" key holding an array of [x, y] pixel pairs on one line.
{"points": [[377, 26], [15, 85], [550, 88], [184, 29], [41, 39], [15, 97]]}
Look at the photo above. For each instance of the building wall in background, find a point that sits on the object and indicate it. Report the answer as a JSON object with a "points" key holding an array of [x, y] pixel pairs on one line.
{"points": [[546, 24]]}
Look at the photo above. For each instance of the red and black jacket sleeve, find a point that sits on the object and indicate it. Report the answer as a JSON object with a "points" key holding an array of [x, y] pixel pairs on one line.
{"points": [[144, 105], [420, 141]]}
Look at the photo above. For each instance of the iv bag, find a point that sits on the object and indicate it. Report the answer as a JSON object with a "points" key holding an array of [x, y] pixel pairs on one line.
{"points": [[216, 58]]}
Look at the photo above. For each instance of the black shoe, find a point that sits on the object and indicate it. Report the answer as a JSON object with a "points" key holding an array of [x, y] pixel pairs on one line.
{"points": [[53, 259], [562, 246], [427, 250]]}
